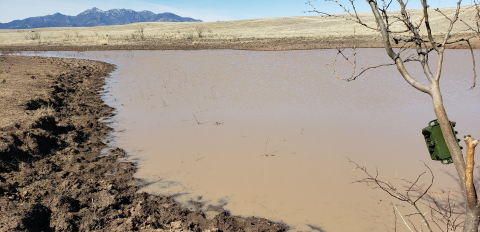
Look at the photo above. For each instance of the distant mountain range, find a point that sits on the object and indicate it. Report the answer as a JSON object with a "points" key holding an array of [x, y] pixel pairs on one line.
{"points": [[95, 17]]}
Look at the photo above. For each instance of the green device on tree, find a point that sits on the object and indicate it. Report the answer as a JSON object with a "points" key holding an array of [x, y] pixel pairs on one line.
{"points": [[435, 141]]}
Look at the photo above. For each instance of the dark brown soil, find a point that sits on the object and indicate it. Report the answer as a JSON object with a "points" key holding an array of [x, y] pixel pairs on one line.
{"points": [[259, 44], [52, 177]]}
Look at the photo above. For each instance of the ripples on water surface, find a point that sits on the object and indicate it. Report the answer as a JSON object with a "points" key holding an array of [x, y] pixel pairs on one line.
{"points": [[264, 133]]}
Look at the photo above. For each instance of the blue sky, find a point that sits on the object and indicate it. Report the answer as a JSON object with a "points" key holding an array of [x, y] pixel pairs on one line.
{"points": [[206, 10]]}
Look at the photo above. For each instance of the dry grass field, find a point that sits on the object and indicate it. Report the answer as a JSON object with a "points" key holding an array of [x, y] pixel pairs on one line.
{"points": [[307, 32]]}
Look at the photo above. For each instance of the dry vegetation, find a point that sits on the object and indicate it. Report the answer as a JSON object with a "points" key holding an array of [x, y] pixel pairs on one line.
{"points": [[307, 32]]}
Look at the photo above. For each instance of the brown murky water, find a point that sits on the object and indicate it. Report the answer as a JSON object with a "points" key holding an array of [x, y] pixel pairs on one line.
{"points": [[264, 133]]}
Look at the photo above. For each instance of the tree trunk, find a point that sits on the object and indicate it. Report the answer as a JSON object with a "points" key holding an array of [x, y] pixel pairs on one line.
{"points": [[472, 213], [471, 219], [444, 122], [473, 208]]}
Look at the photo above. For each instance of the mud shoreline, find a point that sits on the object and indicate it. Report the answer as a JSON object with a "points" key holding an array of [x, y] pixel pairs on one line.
{"points": [[254, 44], [52, 176]]}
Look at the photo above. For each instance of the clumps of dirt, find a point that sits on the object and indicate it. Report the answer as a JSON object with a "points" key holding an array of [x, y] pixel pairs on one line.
{"points": [[52, 177]]}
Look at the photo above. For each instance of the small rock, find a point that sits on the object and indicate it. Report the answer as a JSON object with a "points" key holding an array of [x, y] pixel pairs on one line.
{"points": [[3, 81], [176, 224], [33, 77]]}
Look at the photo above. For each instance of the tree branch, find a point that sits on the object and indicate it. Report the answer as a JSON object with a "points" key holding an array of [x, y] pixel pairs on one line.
{"points": [[452, 22], [447, 36], [394, 56], [473, 60], [394, 192], [419, 42], [427, 25], [470, 189], [459, 40], [355, 16]]}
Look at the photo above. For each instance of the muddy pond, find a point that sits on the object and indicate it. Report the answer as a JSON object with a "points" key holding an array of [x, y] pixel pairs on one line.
{"points": [[267, 133]]}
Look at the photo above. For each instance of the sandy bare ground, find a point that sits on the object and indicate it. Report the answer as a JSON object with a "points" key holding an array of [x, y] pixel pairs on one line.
{"points": [[290, 33]]}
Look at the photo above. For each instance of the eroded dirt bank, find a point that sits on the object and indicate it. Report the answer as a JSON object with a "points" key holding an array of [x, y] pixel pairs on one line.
{"points": [[255, 44], [51, 175]]}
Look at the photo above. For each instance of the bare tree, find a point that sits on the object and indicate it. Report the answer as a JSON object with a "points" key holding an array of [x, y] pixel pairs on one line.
{"points": [[407, 38], [441, 214], [139, 33]]}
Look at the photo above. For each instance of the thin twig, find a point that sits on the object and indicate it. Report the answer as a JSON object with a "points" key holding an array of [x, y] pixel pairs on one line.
{"points": [[473, 60], [265, 153], [395, 214], [402, 217]]}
